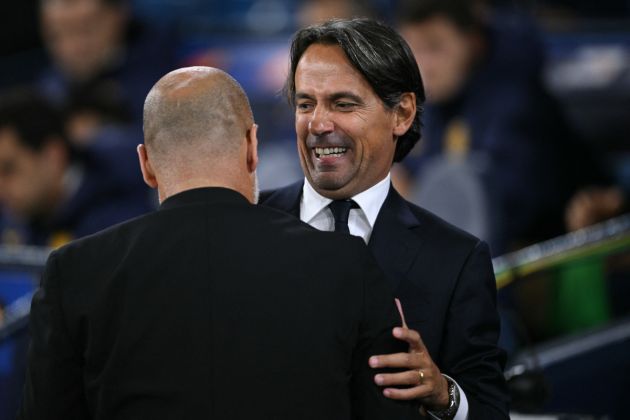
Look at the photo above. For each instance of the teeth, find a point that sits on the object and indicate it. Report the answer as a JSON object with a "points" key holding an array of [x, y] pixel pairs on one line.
{"points": [[330, 151]]}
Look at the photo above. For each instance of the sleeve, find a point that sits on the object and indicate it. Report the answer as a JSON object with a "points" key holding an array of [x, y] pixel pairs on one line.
{"points": [[470, 354], [53, 387], [379, 317]]}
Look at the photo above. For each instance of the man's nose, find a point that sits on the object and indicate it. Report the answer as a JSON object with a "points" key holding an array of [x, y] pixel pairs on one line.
{"points": [[320, 123]]}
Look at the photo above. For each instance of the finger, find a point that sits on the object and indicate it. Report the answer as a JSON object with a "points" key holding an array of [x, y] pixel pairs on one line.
{"points": [[410, 336], [397, 360], [400, 311], [409, 377], [414, 393]]}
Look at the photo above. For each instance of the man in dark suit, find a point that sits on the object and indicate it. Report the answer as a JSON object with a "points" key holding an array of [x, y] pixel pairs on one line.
{"points": [[358, 94], [180, 313]]}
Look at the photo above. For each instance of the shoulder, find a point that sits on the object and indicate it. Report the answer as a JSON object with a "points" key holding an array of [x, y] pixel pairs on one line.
{"points": [[428, 228], [114, 237], [286, 198], [438, 227]]}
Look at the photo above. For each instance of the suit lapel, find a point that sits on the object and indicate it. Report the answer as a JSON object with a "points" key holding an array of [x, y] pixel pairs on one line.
{"points": [[393, 243], [286, 199]]}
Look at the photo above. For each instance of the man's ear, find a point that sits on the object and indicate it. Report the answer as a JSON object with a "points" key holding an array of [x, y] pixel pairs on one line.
{"points": [[145, 166], [404, 113], [252, 148]]}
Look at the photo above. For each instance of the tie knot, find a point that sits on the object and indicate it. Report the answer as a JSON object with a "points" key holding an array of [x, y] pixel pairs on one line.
{"points": [[341, 210]]}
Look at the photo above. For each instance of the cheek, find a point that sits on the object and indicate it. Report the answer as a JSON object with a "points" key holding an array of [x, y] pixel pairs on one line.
{"points": [[301, 142], [379, 144], [301, 127], [30, 175]]}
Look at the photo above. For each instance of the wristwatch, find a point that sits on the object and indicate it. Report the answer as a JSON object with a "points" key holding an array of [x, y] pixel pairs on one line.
{"points": [[453, 402]]}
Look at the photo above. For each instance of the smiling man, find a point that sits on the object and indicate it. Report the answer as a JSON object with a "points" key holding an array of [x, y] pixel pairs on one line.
{"points": [[358, 94]]}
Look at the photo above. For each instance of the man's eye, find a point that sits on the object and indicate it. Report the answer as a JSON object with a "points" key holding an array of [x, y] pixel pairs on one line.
{"points": [[304, 106], [345, 105]]}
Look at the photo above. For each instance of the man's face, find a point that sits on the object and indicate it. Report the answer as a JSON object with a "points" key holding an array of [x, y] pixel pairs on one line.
{"points": [[25, 179], [444, 54], [82, 35], [345, 134]]}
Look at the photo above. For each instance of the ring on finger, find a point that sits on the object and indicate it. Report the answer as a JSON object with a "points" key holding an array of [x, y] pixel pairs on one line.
{"points": [[420, 376]]}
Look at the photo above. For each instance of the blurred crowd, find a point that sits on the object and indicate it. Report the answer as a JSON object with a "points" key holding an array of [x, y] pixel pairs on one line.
{"points": [[68, 136], [498, 157]]}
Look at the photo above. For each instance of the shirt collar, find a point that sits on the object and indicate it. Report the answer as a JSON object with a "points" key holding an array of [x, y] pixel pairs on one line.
{"points": [[370, 200]]}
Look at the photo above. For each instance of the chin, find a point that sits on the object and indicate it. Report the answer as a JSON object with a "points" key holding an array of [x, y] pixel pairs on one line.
{"points": [[325, 183]]}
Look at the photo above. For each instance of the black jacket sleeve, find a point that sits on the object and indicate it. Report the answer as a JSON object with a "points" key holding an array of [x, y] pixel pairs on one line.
{"points": [[54, 386]]}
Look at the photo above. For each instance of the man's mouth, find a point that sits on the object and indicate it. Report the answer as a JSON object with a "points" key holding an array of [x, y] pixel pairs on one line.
{"points": [[321, 152]]}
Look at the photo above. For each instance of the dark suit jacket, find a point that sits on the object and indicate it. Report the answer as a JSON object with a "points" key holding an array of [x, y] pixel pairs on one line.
{"points": [[210, 308], [446, 285]]}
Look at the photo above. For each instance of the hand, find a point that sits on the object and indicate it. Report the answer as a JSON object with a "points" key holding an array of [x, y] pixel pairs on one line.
{"points": [[592, 205], [430, 387]]}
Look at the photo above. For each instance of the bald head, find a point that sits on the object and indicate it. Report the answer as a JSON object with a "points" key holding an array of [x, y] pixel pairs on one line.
{"points": [[193, 112], [198, 131]]}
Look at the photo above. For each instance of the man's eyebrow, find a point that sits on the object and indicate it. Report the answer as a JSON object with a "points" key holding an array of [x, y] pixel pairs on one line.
{"points": [[333, 96], [302, 95], [346, 95]]}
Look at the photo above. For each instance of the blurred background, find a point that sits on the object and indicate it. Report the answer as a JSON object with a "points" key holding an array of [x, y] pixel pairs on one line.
{"points": [[526, 144]]}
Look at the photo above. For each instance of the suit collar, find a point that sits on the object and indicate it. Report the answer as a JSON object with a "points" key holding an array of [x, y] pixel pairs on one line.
{"points": [[203, 195], [286, 199], [396, 209]]}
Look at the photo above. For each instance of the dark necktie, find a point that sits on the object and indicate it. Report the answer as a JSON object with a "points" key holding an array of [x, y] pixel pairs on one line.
{"points": [[341, 210]]}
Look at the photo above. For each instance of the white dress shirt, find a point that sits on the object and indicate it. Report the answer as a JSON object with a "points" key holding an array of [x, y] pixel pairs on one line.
{"points": [[314, 211]]}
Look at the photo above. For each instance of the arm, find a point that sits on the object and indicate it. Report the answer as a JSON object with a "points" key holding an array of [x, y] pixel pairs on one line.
{"points": [[54, 386], [469, 352]]}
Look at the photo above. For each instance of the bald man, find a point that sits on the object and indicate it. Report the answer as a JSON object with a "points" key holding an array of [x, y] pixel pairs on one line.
{"points": [[211, 307]]}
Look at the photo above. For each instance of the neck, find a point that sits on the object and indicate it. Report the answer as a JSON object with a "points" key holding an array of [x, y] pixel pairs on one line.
{"points": [[167, 189]]}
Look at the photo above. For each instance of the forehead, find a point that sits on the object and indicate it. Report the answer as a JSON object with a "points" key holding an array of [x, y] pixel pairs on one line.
{"points": [[326, 68], [60, 13]]}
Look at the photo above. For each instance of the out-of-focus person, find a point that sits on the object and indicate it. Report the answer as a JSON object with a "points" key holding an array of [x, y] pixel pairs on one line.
{"points": [[49, 191], [98, 41], [487, 106], [103, 62]]}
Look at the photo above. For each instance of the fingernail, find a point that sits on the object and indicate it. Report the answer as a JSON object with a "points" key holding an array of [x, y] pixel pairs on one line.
{"points": [[373, 362], [378, 379], [397, 332], [386, 392]]}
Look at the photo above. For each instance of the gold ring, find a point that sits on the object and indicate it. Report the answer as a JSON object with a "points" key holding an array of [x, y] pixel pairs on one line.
{"points": [[421, 375]]}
